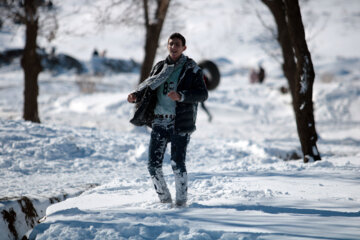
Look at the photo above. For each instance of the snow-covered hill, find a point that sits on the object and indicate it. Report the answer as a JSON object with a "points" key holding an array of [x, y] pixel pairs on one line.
{"points": [[243, 181]]}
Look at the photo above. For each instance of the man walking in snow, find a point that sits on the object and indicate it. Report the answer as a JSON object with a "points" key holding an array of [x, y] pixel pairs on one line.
{"points": [[167, 102]]}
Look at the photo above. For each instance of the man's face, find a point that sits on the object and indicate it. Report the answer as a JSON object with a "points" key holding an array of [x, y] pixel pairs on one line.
{"points": [[175, 48]]}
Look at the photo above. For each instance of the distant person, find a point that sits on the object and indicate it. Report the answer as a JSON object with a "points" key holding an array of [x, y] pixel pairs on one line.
{"points": [[261, 74], [202, 104], [95, 53], [53, 52], [257, 76], [103, 54], [97, 63], [253, 76], [167, 102], [49, 5]]}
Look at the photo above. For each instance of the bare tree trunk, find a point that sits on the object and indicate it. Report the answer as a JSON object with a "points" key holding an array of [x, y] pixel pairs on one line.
{"points": [[298, 70], [30, 62], [305, 76], [277, 8], [153, 30]]}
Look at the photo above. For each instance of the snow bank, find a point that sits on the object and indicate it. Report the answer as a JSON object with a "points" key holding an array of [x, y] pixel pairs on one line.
{"points": [[21, 215]]}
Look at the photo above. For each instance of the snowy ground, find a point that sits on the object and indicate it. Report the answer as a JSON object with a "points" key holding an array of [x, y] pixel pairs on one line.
{"points": [[241, 183]]}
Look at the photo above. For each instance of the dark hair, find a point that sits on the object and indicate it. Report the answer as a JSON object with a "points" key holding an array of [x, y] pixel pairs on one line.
{"points": [[179, 36]]}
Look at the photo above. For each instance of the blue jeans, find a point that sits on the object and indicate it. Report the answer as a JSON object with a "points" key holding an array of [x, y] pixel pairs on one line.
{"points": [[161, 135]]}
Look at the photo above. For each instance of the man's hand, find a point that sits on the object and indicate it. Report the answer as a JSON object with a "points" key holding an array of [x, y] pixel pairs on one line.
{"points": [[174, 96], [131, 98]]}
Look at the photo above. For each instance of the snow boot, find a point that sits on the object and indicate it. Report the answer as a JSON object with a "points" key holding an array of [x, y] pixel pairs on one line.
{"points": [[161, 187], [181, 189]]}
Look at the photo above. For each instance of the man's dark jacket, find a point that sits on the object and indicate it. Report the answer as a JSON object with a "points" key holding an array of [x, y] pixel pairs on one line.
{"points": [[191, 85]]}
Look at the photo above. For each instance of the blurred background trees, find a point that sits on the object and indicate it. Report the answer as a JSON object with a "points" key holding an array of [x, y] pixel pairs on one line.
{"points": [[27, 13], [152, 13]]}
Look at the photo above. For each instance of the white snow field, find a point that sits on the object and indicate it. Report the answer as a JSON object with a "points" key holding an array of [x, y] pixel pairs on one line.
{"points": [[84, 168]]}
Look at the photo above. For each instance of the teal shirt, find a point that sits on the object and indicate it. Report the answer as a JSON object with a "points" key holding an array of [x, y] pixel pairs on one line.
{"points": [[165, 105]]}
